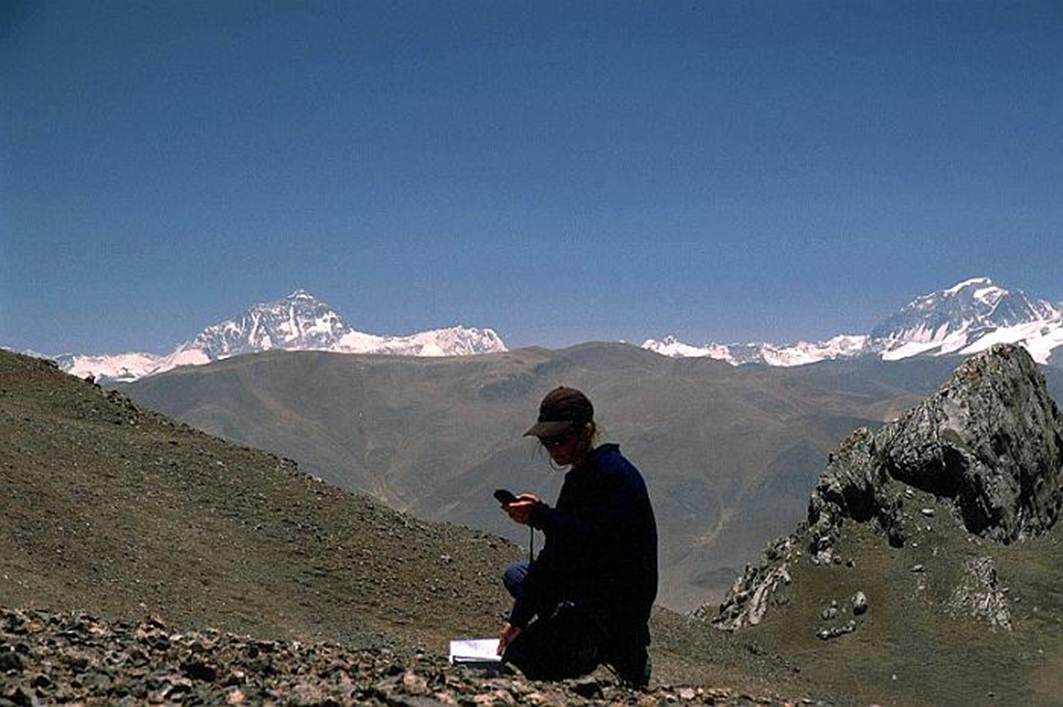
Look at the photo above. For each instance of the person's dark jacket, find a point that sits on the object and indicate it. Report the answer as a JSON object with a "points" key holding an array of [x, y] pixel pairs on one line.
{"points": [[600, 552]]}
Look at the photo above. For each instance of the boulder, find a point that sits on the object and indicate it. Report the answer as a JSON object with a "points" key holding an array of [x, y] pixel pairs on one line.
{"points": [[989, 444]]}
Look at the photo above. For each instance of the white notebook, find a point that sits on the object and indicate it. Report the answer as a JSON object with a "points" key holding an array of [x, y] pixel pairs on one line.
{"points": [[475, 651]]}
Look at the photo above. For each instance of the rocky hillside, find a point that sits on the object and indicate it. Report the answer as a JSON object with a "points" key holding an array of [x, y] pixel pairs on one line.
{"points": [[123, 513], [931, 559]]}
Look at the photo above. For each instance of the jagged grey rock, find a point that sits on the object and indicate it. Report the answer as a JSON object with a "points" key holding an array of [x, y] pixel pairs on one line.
{"points": [[747, 601], [980, 594], [988, 444]]}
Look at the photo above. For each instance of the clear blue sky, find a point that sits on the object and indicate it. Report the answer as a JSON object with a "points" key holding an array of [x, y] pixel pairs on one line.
{"points": [[558, 171]]}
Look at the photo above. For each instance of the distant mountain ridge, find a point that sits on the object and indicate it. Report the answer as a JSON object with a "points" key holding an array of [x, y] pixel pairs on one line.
{"points": [[298, 322], [966, 318]]}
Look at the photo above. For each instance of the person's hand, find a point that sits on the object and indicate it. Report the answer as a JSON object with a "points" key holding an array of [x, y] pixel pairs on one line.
{"points": [[506, 636], [520, 510]]}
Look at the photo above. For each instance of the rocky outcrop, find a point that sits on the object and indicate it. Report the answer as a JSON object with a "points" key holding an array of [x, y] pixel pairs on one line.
{"points": [[980, 595], [747, 601], [988, 444]]}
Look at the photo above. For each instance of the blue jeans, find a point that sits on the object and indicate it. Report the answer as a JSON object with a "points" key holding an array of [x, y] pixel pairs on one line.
{"points": [[513, 578]]}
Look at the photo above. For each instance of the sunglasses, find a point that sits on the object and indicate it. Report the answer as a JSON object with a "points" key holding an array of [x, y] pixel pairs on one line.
{"points": [[555, 442]]}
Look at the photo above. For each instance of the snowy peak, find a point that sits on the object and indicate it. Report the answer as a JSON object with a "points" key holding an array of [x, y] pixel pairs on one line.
{"points": [[298, 322], [975, 302], [963, 319], [953, 319]]}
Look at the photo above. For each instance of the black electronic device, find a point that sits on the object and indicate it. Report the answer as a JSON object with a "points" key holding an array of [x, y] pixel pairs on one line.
{"points": [[505, 497]]}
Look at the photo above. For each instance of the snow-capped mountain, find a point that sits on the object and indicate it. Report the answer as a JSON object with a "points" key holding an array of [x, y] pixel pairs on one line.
{"points": [[298, 322], [953, 320], [966, 318], [796, 354]]}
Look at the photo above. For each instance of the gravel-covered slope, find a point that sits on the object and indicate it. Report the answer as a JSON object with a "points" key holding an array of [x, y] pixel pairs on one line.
{"points": [[76, 657]]}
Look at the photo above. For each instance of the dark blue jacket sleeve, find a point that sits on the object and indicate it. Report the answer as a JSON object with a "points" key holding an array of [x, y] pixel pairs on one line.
{"points": [[585, 533]]}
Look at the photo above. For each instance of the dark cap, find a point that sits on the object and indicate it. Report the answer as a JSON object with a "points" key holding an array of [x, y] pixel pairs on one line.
{"points": [[561, 410]]}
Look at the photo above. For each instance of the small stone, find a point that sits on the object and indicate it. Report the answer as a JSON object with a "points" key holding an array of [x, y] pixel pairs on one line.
{"points": [[928, 512], [918, 568], [178, 688], [21, 696], [687, 694], [504, 697], [9, 660], [236, 697], [200, 670], [587, 687], [414, 683], [859, 603]]}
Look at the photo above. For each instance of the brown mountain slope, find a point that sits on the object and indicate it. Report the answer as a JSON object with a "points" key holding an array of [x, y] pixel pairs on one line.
{"points": [[122, 510], [118, 511]]}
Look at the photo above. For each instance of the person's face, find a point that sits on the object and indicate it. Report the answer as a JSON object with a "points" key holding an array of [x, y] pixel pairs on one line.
{"points": [[566, 448]]}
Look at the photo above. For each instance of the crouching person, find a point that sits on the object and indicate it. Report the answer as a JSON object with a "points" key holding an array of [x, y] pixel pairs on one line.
{"points": [[586, 599]]}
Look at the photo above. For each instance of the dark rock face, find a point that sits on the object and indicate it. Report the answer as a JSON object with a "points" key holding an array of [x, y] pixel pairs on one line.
{"points": [[988, 444], [990, 441]]}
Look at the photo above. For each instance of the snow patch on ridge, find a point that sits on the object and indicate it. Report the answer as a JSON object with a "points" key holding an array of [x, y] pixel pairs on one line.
{"points": [[967, 283], [796, 354]]}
